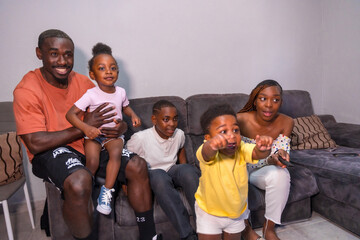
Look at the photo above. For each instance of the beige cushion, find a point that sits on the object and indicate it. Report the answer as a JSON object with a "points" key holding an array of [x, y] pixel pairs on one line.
{"points": [[310, 133], [10, 158]]}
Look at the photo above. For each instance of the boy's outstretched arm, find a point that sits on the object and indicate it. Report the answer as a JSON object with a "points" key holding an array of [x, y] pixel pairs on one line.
{"points": [[73, 117], [263, 147], [134, 118], [213, 145]]}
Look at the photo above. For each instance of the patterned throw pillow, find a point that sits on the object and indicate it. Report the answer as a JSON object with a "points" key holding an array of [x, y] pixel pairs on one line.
{"points": [[310, 133], [10, 158]]}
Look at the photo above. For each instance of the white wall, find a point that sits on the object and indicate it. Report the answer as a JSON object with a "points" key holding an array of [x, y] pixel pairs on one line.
{"points": [[341, 59], [199, 46]]}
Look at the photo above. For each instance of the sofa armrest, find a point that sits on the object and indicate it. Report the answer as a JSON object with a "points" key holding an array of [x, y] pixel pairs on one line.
{"points": [[345, 134], [327, 119]]}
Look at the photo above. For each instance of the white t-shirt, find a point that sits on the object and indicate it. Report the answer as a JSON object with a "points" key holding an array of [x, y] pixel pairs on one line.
{"points": [[159, 153], [94, 97]]}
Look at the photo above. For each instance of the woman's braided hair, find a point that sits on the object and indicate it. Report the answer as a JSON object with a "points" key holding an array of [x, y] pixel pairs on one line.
{"points": [[250, 106]]}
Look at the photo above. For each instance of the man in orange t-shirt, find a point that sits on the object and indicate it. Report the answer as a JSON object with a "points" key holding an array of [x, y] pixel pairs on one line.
{"points": [[55, 148]]}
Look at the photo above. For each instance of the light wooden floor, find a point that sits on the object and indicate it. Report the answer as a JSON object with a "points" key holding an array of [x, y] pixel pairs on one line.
{"points": [[317, 228]]}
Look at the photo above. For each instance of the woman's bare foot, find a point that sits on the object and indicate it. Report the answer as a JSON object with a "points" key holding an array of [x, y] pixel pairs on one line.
{"points": [[248, 233], [269, 231]]}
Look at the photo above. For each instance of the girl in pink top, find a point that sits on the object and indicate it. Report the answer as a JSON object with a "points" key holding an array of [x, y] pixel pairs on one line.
{"points": [[104, 70]]}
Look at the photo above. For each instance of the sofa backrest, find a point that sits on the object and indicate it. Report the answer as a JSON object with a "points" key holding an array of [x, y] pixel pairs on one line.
{"points": [[296, 103], [143, 108], [7, 119], [196, 106]]}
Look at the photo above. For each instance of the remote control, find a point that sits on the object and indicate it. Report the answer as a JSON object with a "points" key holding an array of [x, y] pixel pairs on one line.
{"points": [[283, 161]]}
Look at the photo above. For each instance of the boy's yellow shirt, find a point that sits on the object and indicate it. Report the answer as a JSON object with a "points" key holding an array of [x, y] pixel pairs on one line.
{"points": [[223, 185]]}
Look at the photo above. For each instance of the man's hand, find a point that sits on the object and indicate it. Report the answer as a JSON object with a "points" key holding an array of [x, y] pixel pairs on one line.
{"points": [[99, 116], [115, 132]]}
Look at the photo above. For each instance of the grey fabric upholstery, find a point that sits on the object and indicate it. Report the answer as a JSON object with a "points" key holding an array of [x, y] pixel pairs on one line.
{"points": [[7, 120], [338, 179], [296, 103]]}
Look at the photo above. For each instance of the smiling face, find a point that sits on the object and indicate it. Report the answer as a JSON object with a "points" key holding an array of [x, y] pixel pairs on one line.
{"points": [[105, 72], [268, 103], [228, 126], [165, 121], [57, 55]]}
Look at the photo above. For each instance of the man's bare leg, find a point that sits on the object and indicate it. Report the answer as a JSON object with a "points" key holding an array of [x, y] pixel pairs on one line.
{"points": [[140, 196], [77, 208], [138, 185]]}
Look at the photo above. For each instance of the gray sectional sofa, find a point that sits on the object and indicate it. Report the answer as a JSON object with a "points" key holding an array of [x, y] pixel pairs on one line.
{"points": [[329, 185]]}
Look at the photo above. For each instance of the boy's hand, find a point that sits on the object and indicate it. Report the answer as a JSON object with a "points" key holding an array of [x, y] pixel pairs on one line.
{"points": [[136, 122], [218, 142], [92, 132], [263, 143]]}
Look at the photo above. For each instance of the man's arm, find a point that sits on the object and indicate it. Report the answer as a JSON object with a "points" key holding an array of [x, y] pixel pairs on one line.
{"points": [[38, 142], [42, 141], [73, 117]]}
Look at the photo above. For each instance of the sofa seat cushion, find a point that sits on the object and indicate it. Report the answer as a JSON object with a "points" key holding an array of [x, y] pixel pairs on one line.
{"points": [[302, 185], [338, 177]]}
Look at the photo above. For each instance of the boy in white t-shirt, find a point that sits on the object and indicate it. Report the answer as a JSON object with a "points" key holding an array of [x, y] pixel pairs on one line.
{"points": [[162, 146]]}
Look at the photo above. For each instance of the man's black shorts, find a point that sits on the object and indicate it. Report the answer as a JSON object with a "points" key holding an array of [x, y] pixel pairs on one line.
{"points": [[56, 165]]}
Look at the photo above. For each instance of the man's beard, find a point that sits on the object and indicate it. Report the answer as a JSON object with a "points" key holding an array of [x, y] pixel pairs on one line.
{"points": [[62, 81]]}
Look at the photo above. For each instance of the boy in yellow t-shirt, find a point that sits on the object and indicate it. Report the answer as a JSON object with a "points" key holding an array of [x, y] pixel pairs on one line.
{"points": [[221, 197]]}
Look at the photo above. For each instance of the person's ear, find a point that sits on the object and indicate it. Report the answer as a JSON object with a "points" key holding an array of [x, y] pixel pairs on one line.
{"points": [[92, 75], [153, 119], [254, 105], [207, 137], [38, 53]]}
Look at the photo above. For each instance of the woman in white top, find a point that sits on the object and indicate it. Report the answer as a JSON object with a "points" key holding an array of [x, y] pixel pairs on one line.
{"points": [[260, 116]]}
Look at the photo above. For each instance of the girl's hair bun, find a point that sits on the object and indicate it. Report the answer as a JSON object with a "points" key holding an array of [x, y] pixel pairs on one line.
{"points": [[101, 48]]}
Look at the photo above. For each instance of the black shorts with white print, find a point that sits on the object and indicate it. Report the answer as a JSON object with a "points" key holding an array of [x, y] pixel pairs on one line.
{"points": [[56, 165]]}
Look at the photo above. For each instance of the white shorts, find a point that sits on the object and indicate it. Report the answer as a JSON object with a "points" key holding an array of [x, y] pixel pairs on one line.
{"points": [[210, 224]]}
